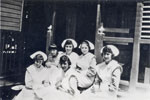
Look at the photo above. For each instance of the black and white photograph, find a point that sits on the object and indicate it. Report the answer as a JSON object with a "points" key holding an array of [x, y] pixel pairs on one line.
{"points": [[74, 49]]}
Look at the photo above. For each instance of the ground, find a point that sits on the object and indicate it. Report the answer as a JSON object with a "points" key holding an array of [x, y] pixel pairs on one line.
{"points": [[139, 94], [135, 95]]}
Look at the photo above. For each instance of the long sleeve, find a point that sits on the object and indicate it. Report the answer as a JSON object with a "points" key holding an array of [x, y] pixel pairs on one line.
{"points": [[74, 58], [28, 80], [115, 79], [93, 62]]}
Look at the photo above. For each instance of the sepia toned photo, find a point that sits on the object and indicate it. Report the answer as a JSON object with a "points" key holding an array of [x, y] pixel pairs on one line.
{"points": [[74, 49]]}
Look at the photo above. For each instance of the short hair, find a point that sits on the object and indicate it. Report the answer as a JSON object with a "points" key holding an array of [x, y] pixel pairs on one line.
{"points": [[52, 46], [68, 42], [38, 57], [107, 49], [63, 59], [87, 43]]}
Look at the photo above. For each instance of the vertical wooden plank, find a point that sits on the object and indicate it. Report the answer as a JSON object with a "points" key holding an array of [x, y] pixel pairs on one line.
{"points": [[147, 76], [48, 38], [98, 37], [21, 15], [71, 22], [53, 25], [50, 32], [136, 48]]}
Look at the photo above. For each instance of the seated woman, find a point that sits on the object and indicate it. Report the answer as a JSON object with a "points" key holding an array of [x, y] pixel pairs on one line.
{"points": [[52, 64], [67, 71], [73, 80], [35, 77], [83, 76], [53, 56], [62, 89], [66, 87], [86, 63], [86, 59], [69, 45], [108, 72]]}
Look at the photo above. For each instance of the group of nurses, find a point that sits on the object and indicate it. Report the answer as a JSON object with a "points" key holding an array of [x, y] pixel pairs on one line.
{"points": [[70, 76]]}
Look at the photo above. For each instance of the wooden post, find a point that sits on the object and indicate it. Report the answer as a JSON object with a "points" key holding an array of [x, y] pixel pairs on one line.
{"points": [[53, 25], [71, 23], [50, 32], [98, 37], [136, 48], [49, 38]]}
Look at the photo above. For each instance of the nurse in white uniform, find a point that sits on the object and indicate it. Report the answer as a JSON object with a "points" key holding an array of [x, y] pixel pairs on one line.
{"points": [[69, 45]]}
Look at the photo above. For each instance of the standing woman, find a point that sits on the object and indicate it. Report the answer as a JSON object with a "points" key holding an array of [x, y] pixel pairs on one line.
{"points": [[69, 45], [36, 77]]}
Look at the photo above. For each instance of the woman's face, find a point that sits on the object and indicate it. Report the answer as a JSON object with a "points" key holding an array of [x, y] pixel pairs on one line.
{"points": [[53, 52], [68, 48], [65, 66], [84, 48], [107, 57], [38, 63]]}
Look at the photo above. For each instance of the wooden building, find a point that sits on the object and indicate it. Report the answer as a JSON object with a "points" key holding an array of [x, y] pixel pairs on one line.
{"points": [[125, 23]]}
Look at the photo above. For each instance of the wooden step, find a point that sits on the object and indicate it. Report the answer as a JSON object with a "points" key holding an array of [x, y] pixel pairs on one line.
{"points": [[145, 36], [146, 11], [146, 16], [118, 39], [146, 26], [145, 31], [146, 6], [138, 84], [146, 1], [145, 21]]}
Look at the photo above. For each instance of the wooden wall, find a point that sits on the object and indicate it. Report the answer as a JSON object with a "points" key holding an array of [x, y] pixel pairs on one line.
{"points": [[120, 15], [11, 40], [11, 14]]}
